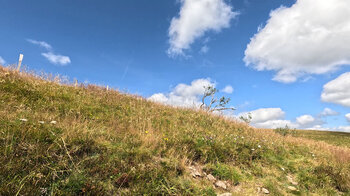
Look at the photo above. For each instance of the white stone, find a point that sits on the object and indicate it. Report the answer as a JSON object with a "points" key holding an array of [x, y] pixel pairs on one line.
{"points": [[265, 191], [221, 184], [211, 177], [290, 179], [225, 194], [292, 188]]}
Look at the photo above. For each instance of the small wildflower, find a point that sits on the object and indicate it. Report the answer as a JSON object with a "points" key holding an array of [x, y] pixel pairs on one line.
{"points": [[166, 139], [253, 149], [282, 168], [259, 146], [146, 132], [242, 137], [23, 120]]}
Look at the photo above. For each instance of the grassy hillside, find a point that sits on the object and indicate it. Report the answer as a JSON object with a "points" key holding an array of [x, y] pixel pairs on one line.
{"points": [[331, 137], [57, 139]]}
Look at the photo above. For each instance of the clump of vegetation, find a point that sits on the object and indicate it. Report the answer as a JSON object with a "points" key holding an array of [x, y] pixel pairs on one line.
{"points": [[62, 139], [247, 119], [214, 104], [284, 131]]}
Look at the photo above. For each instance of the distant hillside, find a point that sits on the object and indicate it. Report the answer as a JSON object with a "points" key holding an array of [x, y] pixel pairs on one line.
{"points": [[60, 139]]}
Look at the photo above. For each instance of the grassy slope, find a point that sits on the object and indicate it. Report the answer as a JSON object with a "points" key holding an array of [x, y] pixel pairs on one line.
{"points": [[106, 143], [331, 137]]}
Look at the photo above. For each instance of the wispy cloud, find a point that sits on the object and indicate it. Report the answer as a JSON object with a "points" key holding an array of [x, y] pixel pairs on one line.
{"points": [[50, 55], [328, 112], [40, 43], [56, 58], [2, 61]]}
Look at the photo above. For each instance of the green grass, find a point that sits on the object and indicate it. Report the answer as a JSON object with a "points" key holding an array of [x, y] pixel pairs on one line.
{"points": [[331, 137], [108, 143]]}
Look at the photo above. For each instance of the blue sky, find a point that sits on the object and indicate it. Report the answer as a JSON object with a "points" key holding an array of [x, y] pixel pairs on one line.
{"points": [[277, 64]]}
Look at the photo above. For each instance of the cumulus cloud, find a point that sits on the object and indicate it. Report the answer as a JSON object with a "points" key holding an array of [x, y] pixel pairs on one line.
{"points": [[196, 17], [2, 61], [347, 116], [307, 38], [274, 118], [56, 58], [305, 120], [268, 118], [338, 90], [40, 43], [273, 124], [266, 114], [184, 95], [328, 112], [228, 89]]}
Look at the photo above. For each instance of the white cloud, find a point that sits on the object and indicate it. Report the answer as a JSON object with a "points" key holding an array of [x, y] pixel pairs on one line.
{"points": [[328, 112], [40, 43], [318, 128], [56, 58], [273, 124], [196, 17], [305, 120], [228, 89], [184, 95], [308, 38], [343, 128], [159, 97], [2, 61], [274, 118], [338, 90], [50, 55], [266, 114], [347, 116], [268, 118]]}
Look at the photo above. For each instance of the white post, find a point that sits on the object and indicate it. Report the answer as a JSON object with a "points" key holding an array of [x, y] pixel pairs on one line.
{"points": [[20, 62], [107, 87]]}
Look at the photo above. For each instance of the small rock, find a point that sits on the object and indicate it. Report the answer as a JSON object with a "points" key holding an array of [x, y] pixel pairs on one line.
{"points": [[292, 188], [53, 122], [225, 194], [211, 177], [23, 120], [265, 191], [221, 184], [290, 179], [194, 172]]}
